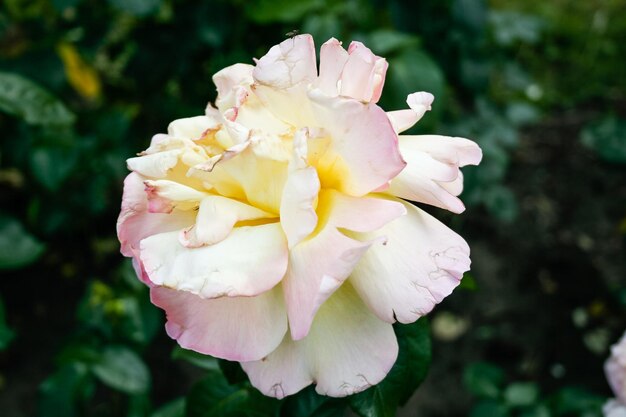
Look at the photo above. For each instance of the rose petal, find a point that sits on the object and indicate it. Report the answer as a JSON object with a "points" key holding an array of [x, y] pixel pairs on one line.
{"points": [[419, 103], [251, 260], [233, 328], [332, 60], [290, 63], [363, 75], [347, 350], [419, 265]]}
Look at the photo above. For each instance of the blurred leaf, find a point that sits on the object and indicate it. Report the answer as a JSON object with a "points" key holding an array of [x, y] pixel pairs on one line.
{"points": [[232, 371], [174, 408], [385, 41], [521, 113], [576, 401], [404, 378], [25, 99], [511, 26], [322, 26], [63, 391], [51, 165], [608, 138], [501, 202], [472, 13], [206, 362], [6, 334], [61, 5], [82, 77], [137, 7], [308, 403], [214, 397], [521, 394], [17, 247], [122, 369], [537, 411], [489, 408], [483, 379], [286, 11]]}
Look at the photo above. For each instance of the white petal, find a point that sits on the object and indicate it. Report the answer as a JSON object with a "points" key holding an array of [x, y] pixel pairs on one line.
{"points": [[419, 103], [249, 261], [237, 329], [347, 351], [420, 264]]}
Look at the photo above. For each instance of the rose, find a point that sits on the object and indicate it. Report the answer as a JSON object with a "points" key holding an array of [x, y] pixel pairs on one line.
{"points": [[615, 369], [270, 228]]}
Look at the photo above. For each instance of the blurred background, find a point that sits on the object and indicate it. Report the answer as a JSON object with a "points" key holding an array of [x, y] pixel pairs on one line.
{"points": [[541, 86]]}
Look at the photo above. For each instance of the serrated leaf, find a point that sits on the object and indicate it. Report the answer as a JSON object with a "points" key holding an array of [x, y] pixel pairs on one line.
{"points": [[404, 378], [214, 397], [17, 247], [122, 369], [23, 98]]}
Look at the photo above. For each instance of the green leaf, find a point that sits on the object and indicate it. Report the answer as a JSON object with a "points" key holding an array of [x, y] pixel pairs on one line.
{"points": [[521, 394], [608, 138], [286, 11], [385, 41], [206, 362], [483, 379], [214, 397], [577, 401], [174, 408], [23, 98], [404, 378], [489, 408], [122, 369], [137, 7], [232, 371], [52, 165], [61, 393], [308, 403], [6, 334], [17, 247]]}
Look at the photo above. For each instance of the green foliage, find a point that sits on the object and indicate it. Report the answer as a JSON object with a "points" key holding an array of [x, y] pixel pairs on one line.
{"points": [[17, 247], [407, 374], [6, 334], [122, 369], [607, 137]]}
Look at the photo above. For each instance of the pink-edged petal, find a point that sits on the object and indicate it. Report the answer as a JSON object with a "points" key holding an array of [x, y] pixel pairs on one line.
{"points": [[363, 74], [232, 328], [432, 172], [419, 103], [251, 260], [192, 128], [363, 153], [332, 60], [164, 196], [230, 77], [155, 165], [321, 263], [615, 369], [287, 64], [420, 264], [135, 222], [216, 218], [297, 206], [347, 350]]}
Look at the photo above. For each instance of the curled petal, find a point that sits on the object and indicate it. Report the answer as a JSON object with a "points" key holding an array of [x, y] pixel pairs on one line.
{"points": [[164, 196], [216, 218], [420, 264], [230, 77], [432, 172], [237, 329], [192, 128], [419, 103], [347, 350], [251, 260], [363, 75]]}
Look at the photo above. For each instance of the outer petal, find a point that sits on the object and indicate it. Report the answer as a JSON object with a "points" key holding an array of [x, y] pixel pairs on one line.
{"points": [[347, 351], [614, 408], [135, 222], [615, 369], [192, 127], [420, 264], [164, 196], [363, 154], [332, 60], [251, 260], [432, 174], [419, 103], [237, 329], [230, 77], [364, 74], [290, 63], [320, 264]]}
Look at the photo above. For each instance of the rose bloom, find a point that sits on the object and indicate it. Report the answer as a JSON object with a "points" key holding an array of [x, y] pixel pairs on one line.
{"points": [[273, 230], [615, 369]]}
